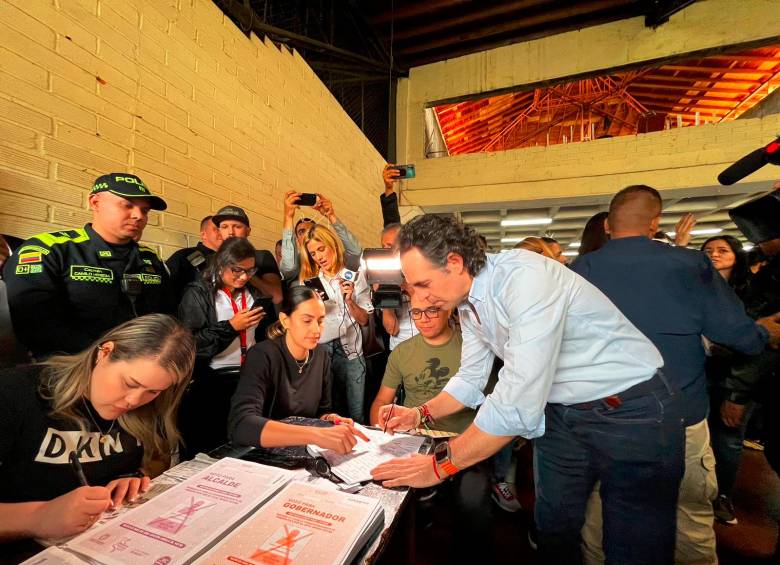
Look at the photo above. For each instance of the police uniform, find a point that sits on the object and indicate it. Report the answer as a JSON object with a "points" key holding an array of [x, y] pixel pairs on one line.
{"points": [[67, 288]]}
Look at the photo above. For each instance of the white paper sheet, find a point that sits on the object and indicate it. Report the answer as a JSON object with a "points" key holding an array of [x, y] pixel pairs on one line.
{"points": [[355, 466], [176, 525]]}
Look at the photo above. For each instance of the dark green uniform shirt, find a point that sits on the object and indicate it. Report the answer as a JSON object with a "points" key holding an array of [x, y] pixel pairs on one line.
{"points": [[65, 288]]}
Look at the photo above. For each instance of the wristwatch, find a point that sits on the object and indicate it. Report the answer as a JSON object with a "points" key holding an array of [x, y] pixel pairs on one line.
{"points": [[443, 458]]}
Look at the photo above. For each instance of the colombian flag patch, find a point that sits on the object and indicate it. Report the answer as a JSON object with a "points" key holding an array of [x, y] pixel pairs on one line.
{"points": [[29, 257]]}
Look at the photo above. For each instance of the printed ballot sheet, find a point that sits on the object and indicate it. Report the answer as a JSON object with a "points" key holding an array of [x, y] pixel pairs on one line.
{"points": [[302, 525], [176, 525], [355, 466]]}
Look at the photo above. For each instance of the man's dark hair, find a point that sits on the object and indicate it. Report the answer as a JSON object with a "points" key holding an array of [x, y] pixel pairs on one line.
{"points": [[633, 207], [205, 221], [279, 242], [389, 227], [438, 236]]}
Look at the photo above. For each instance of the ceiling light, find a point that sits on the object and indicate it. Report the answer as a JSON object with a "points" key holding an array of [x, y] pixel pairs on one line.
{"points": [[571, 253], [574, 244], [747, 246], [706, 231], [512, 239], [528, 222]]}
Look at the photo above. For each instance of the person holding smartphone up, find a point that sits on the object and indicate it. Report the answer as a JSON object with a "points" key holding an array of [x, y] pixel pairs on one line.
{"points": [[294, 232], [222, 312]]}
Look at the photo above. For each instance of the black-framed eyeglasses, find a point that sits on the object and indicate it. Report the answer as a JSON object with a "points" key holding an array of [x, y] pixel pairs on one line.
{"points": [[238, 271], [430, 313]]}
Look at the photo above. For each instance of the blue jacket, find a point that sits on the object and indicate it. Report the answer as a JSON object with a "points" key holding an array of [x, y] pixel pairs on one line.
{"points": [[674, 296]]}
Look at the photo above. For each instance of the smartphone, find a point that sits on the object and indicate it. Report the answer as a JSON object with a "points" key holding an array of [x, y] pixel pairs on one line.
{"points": [[256, 307], [316, 284], [307, 199], [406, 171]]}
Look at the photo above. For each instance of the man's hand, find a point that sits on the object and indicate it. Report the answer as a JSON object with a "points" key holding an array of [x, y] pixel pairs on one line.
{"points": [[682, 231], [325, 207], [732, 414], [415, 471], [290, 203], [772, 325], [394, 418], [389, 177]]}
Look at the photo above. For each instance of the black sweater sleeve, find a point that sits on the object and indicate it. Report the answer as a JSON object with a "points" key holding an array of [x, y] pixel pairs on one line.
{"points": [[390, 213], [256, 384], [195, 312]]}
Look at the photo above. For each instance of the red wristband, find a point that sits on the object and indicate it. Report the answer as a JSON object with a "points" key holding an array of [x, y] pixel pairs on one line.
{"points": [[435, 470]]}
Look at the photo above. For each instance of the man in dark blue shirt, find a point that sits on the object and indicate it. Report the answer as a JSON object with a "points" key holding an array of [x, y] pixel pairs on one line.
{"points": [[675, 296]]}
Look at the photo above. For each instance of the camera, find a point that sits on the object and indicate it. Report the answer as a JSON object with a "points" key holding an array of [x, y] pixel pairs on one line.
{"points": [[382, 267]]}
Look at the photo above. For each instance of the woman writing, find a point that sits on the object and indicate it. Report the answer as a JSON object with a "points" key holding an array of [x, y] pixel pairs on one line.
{"points": [[289, 375], [347, 306], [223, 313], [113, 406]]}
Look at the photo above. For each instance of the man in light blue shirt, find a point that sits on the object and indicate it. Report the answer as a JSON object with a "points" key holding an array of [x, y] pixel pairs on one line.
{"points": [[577, 375]]}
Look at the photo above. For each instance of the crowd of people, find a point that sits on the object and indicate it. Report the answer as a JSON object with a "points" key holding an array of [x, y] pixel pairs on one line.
{"points": [[634, 370]]}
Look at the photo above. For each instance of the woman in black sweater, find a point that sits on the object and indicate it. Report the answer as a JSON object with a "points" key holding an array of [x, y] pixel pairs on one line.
{"points": [[289, 375]]}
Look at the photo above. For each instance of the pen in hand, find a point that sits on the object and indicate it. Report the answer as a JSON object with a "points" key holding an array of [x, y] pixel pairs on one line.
{"points": [[78, 470], [395, 400]]}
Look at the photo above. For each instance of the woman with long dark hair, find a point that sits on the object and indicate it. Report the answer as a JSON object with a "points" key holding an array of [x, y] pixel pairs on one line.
{"points": [[729, 409], [594, 235], [289, 375], [223, 312], [112, 407]]}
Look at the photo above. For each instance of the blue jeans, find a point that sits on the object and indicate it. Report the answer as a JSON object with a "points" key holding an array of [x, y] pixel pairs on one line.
{"points": [[637, 452], [349, 381], [726, 443]]}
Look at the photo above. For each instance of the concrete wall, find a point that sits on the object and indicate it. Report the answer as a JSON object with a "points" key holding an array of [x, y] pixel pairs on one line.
{"points": [[172, 91], [689, 157]]}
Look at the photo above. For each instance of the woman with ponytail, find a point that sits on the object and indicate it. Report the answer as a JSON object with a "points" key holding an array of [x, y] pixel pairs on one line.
{"points": [[112, 407], [289, 375]]}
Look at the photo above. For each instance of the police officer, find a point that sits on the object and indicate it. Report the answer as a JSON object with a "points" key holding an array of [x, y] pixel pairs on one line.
{"points": [[66, 288], [186, 265]]}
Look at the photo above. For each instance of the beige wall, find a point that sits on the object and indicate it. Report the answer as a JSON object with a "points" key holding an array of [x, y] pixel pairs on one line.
{"points": [[173, 91], [689, 157]]}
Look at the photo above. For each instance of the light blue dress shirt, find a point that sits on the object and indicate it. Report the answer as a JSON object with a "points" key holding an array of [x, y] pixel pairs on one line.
{"points": [[561, 339]]}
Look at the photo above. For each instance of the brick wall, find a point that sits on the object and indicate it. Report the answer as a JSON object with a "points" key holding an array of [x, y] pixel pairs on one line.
{"points": [[172, 91], [685, 158]]}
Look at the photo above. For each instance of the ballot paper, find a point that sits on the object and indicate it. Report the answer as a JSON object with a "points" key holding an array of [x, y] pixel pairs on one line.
{"points": [[302, 525], [53, 556], [178, 524], [355, 466]]}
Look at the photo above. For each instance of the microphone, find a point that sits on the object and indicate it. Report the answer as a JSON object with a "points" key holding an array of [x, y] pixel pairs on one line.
{"points": [[751, 162]]}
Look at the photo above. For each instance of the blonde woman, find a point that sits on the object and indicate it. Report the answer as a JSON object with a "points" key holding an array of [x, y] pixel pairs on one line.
{"points": [[347, 306], [537, 245], [113, 406]]}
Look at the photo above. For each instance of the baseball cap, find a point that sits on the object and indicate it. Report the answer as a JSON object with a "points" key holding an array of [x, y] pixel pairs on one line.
{"points": [[127, 186], [230, 212]]}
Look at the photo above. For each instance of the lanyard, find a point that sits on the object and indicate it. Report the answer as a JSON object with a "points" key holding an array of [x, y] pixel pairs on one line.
{"points": [[242, 333]]}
